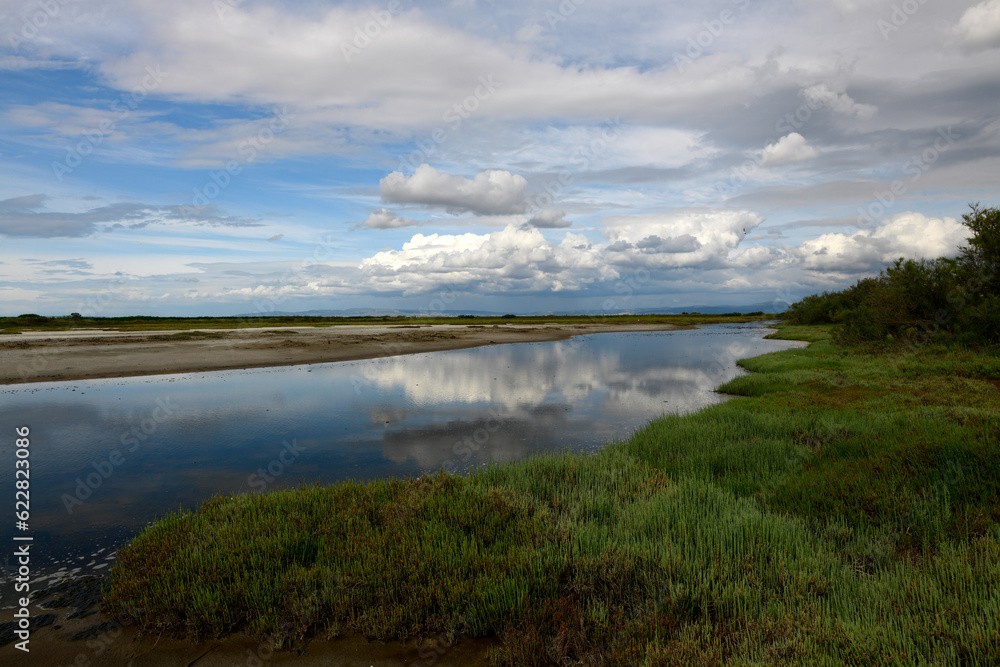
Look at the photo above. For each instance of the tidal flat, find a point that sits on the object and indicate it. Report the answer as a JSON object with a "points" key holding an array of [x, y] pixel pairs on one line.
{"points": [[44, 349]]}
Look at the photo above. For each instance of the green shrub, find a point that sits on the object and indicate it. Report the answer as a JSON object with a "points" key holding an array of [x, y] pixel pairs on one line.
{"points": [[915, 301]]}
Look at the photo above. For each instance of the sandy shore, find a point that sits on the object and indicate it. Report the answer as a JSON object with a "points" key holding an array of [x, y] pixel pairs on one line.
{"points": [[91, 353]]}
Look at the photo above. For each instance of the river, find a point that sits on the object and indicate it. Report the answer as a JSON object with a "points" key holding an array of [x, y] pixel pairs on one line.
{"points": [[109, 456]]}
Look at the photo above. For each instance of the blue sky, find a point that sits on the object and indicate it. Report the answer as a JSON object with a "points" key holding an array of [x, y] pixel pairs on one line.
{"points": [[228, 157]]}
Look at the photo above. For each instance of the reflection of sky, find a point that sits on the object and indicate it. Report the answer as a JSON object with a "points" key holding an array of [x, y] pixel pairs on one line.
{"points": [[361, 420]]}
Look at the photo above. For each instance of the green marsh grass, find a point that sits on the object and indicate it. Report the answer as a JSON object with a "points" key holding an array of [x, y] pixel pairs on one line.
{"points": [[844, 510]]}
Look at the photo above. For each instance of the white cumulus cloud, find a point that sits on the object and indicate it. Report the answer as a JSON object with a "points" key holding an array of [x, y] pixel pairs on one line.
{"points": [[491, 192], [789, 149], [514, 259], [910, 235], [685, 239], [979, 27], [822, 95], [383, 218], [519, 259], [549, 218]]}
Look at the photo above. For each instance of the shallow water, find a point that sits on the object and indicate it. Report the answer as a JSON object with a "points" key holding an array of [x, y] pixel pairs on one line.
{"points": [[109, 456]]}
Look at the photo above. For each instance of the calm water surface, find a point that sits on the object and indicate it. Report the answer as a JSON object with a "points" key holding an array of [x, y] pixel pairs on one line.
{"points": [[109, 456]]}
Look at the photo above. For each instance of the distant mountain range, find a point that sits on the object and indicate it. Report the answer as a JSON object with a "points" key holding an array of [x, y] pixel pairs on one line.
{"points": [[769, 307]]}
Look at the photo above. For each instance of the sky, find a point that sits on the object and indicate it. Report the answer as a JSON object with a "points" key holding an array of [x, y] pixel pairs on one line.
{"points": [[225, 157]]}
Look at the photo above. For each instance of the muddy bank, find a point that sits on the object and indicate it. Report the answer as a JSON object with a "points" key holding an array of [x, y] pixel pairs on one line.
{"points": [[86, 354], [69, 630]]}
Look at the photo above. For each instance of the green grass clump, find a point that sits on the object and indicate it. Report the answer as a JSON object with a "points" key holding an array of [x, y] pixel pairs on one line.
{"points": [[843, 511], [366, 555]]}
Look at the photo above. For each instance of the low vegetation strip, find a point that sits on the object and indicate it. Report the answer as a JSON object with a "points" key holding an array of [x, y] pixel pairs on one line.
{"points": [[844, 511]]}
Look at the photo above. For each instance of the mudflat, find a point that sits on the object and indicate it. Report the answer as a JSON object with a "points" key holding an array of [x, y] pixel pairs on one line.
{"points": [[65, 638], [41, 356]]}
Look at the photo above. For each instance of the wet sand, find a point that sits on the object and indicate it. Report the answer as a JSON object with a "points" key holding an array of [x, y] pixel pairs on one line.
{"points": [[92, 353]]}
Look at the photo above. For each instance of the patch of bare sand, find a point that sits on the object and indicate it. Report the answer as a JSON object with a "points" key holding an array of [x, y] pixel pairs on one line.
{"points": [[75, 355]]}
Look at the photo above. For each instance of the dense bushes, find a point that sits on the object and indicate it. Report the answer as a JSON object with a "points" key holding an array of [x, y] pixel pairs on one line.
{"points": [[829, 307], [913, 301]]}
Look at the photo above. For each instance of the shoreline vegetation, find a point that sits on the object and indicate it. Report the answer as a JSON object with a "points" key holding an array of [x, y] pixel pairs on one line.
{"points": [[842, 511]]}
